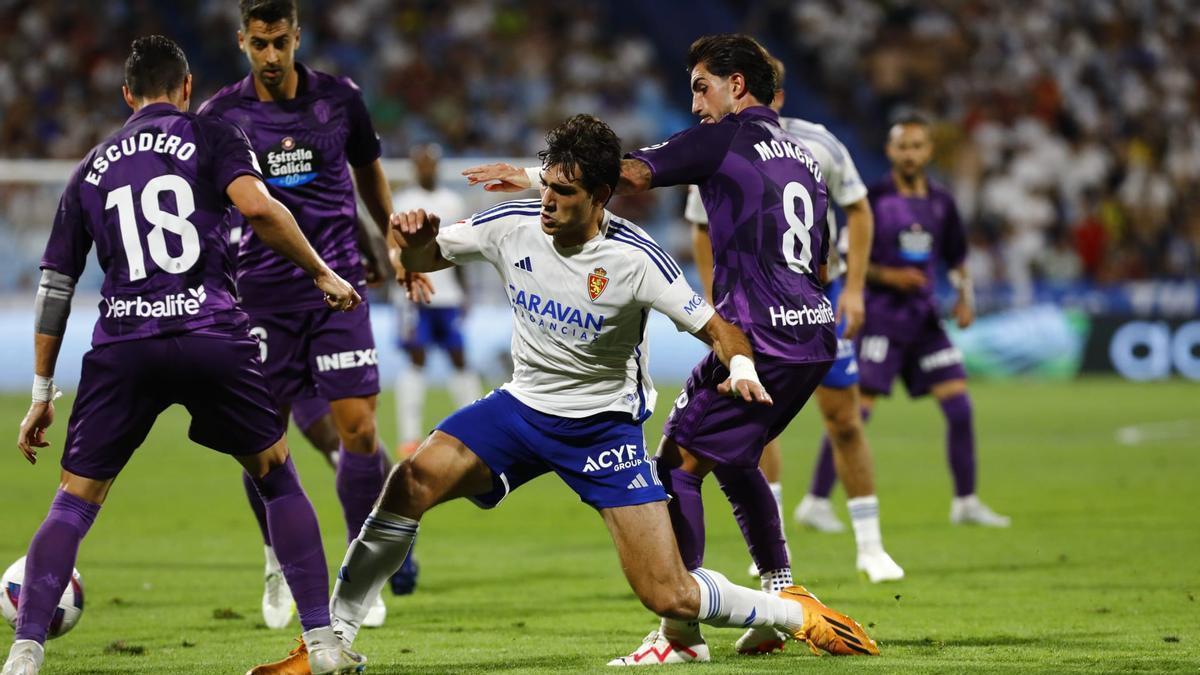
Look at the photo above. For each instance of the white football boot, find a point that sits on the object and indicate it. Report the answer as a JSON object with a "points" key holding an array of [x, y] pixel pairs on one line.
{"points": [[878, 566], [817, 513], [25, 658], [752, 570], [761, 640], [657, 650], [277, 603], [377, 614], [970, 511]]}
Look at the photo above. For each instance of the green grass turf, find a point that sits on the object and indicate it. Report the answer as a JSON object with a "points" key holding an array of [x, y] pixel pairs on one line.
{"points": [[1099, 571]]}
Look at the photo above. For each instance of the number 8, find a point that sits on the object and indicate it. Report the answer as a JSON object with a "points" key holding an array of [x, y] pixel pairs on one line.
{"points": [[798, 228]]}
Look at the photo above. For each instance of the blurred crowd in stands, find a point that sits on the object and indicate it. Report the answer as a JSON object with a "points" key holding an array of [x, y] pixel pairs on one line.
{"points": [[1068, 129]]}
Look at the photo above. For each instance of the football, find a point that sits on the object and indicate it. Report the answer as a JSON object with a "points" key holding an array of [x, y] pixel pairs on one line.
{"points": [[66, 615]]}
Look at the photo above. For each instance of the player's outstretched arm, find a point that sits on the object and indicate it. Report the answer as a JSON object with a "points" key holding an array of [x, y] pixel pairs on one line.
{"points": [[501, 177], [277, 228], [860, 226], [416, 234], [702, 254], [376, 194], [374, 250], [964, 306], [732, 346]]}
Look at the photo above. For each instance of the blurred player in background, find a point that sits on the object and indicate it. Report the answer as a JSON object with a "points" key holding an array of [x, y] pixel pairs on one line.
{"points": [[153, 199], [311, 132], [917, 228], [437, 323], [766, 204], [837, 394]]}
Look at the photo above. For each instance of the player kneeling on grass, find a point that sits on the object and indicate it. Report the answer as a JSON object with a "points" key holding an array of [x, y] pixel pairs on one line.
{"points": [[170, 331], [581, 282]]}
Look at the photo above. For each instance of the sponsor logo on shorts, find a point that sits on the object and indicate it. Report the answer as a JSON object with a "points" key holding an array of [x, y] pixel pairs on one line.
{"points": [[804, 316], [874, 348], [637, 483], [178, 304], [615, 459], [941, 358], [353, 358]]}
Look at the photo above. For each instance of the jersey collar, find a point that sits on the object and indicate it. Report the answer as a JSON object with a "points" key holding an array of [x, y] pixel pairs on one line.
{"points": [[152, 109], [759, 112]]}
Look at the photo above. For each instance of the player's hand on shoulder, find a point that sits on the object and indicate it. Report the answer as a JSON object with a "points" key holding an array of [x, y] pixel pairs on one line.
{"points": [[413, 229], [498, 177], [339, 294], [33, 429]]}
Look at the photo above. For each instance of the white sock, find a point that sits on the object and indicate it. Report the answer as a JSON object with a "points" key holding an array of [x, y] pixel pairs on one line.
{"points": [[864, 516], [410, 403], [464, 388], [374, 556], [272, 561], [687, 632], [774, 581], [727, 605]]}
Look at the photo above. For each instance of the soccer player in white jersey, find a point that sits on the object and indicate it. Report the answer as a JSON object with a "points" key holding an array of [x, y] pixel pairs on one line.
{"points": [[581, 283], [437, 323], [837, 396]]}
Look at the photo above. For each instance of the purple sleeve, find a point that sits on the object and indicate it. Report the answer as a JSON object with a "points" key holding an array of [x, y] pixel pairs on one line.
{"points": [[66, 251], [362, 145], [231, 154], [954, 237], [689, 157]]}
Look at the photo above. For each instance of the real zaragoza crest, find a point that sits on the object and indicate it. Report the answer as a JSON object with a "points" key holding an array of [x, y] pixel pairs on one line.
{"points": [[597, 282]]}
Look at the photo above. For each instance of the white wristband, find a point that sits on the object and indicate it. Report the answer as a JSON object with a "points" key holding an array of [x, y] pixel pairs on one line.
{"points": [[44, 389], [742, 368], [534, 174]]}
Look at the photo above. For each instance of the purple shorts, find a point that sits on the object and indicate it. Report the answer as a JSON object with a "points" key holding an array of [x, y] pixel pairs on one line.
{"points": [[125, 385], [317, 353], [922, 357], [728, 430], [307, 411]]}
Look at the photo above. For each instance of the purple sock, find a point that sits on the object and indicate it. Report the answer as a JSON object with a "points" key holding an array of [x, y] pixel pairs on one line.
{"points": [[757, 514], [825, 472], [687, 513], [293, 526], [359, 482], [257, 506], [960, 442], [49, 563]]}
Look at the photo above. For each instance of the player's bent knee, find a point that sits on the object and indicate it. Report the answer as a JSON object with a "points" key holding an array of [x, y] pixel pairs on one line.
{"points": [[845, 429]]}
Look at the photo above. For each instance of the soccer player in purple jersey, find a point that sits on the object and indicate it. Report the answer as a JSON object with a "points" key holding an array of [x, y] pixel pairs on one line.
{"points": [[312, 133], [152, 198], [917, 228], [766, 204]]}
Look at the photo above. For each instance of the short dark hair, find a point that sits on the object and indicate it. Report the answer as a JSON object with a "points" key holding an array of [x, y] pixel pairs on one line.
{"points": [[586, 149], [269, 11], [724, 55], [780, 71], [156, 66], [906, 116]]}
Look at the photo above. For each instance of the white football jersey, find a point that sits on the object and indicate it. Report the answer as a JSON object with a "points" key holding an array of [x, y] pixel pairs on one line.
{"points": [[450, 207], [579, 314], [838, 169]]}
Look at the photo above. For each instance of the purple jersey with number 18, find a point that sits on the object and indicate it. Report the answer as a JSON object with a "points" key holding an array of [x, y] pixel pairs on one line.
{"points": [[766, 205], [152, 199]]}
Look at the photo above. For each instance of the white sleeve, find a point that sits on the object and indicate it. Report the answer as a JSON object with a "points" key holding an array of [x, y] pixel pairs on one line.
{"points": [[463, 242], [694, 211], [845, 185], [674, 297]]}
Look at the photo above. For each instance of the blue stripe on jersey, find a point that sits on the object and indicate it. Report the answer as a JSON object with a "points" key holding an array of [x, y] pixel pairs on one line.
{"points": [[669, 270], [514, 211], [643, 413], [626, 228], [511, 202]]}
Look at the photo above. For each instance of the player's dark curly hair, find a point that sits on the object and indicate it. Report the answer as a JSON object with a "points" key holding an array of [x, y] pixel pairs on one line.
{"points": [[729, 53], [156, 66], [586, 148], [269, 11]]}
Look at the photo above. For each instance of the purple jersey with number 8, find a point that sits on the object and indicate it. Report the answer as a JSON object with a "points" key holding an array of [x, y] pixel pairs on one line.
{"points": [[766, 205]]}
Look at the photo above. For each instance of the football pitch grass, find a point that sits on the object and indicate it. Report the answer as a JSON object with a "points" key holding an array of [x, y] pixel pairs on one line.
{"points": [[1099, 571]]}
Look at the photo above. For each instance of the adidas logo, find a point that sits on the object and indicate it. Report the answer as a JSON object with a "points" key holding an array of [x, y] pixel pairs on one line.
{"points": [[524, 264], [637, 483]]}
